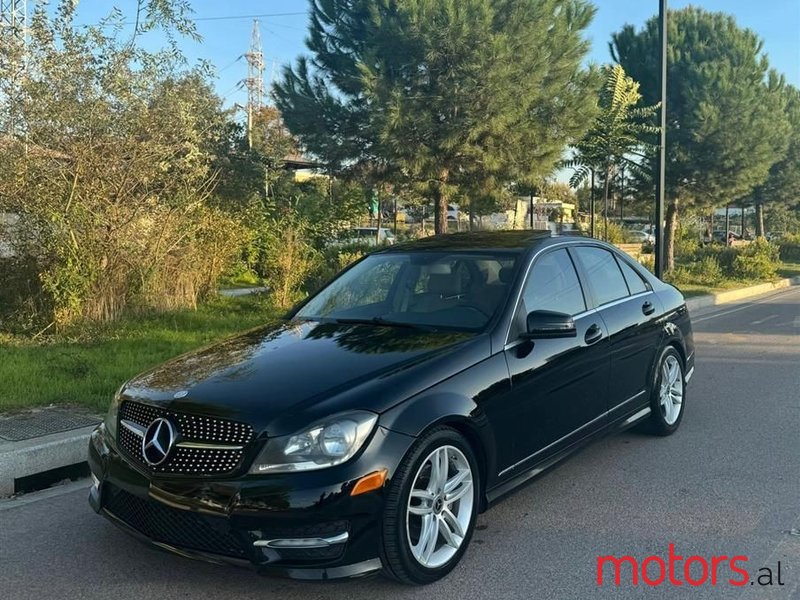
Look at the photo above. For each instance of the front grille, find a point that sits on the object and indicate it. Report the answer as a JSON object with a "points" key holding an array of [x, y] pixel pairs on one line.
{"points": [[185, 459], [172, 526]]}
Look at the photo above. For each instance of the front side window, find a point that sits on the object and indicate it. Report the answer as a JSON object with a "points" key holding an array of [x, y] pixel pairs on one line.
{"points": [[605, 278], [456, 290], [553, 285]]}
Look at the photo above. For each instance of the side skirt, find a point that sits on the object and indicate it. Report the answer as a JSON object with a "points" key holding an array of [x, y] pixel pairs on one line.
{"points": [[501, 490]]}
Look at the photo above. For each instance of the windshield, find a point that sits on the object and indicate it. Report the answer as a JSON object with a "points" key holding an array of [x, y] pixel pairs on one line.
{"points": [[450, 290]]}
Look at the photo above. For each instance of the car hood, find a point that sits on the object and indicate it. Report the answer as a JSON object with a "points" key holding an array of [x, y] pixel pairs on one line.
{"points": [[279, 377]]}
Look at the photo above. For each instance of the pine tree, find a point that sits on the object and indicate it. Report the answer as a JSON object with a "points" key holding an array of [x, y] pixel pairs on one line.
{"points": [[445, 91], [725, 129], [782, 186]]}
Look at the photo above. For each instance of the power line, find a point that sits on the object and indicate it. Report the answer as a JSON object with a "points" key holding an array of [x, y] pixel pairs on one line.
{"points": [[231, 17], [234, 17]]}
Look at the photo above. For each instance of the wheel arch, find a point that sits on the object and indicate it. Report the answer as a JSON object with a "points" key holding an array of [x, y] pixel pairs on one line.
{"points": [[449, 410]]}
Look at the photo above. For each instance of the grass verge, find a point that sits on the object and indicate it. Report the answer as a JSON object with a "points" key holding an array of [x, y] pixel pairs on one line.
{"points": [[690, 290], [84, 366]]}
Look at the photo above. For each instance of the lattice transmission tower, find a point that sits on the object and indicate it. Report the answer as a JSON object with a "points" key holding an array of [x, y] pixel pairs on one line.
{"points": [[255, 79], [13, 18]]}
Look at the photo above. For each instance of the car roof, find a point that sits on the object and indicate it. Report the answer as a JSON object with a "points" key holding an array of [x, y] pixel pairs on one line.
{"points": [[480, 240]]}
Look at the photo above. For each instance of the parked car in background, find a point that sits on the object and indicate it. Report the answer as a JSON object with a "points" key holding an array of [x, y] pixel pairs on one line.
{"points": [[366, 431], [639, 237]]}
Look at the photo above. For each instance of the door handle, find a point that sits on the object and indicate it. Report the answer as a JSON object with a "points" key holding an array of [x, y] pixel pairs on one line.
{"points": [[593, 334], [648, 308]]}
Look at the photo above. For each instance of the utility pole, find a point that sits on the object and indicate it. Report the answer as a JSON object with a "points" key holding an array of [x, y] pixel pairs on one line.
{"points": [[662, 152], [255, 80]]}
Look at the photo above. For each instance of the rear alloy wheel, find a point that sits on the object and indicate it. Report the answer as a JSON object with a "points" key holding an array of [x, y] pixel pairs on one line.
{"points": [[431, 508], [669, 393]]}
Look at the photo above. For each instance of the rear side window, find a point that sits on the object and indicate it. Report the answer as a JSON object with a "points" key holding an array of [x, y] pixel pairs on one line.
{"points": [[605, 278], [635, 283], [553, 285]]}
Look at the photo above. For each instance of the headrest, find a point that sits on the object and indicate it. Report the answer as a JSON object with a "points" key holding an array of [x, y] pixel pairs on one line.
{"points": [[505, 275]]}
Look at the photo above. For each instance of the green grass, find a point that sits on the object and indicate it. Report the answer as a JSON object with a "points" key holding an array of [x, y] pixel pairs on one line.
{"points": [[84, 366], [789, 270]]}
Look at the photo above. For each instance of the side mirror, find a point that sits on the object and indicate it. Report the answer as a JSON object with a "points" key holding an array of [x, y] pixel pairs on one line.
{"points": [[543, 324]]}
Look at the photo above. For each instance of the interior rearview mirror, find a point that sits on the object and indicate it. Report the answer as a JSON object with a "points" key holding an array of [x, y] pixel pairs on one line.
{"points": [[542, 324]]}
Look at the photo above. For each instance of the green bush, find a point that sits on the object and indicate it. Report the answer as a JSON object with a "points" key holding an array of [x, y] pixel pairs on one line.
{"points": [[757, 260], [706, 271], [790, 248]]}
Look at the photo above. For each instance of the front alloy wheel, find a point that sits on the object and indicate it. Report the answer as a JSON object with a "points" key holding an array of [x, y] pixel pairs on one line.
{"points": [[431, 508], [440, 506]]}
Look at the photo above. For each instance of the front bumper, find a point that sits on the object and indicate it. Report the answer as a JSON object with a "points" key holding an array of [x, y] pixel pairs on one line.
{"points": [[300, 525]]}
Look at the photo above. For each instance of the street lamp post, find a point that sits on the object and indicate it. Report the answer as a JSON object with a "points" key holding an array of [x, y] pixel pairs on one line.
{"points": [[659, 249], [591, 207]]}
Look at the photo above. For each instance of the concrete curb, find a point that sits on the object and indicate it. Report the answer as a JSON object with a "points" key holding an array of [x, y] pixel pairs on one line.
{"points": [[699, 302], [37, 455]]}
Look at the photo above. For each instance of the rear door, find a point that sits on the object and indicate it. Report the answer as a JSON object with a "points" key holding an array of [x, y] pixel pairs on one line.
{"points": [[558, 386], [630, 312]]}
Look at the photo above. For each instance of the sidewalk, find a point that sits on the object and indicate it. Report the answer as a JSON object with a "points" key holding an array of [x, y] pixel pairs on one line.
{"points": [[41, 440]]}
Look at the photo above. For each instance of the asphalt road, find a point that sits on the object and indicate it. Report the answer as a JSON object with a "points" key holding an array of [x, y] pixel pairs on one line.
{"points": [[727, 483]]}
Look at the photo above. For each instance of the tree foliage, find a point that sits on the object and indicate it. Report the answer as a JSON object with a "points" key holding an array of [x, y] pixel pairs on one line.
{"points": [[782, 186], [445, 91], [107, 162], [725, 126]]}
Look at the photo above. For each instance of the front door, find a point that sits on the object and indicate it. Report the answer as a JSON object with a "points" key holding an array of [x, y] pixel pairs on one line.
{"points": [[558, 386]]}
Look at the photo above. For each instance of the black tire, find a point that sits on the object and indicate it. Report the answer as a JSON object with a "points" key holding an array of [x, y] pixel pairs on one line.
{"points": [[658, 423], [398, 561]]}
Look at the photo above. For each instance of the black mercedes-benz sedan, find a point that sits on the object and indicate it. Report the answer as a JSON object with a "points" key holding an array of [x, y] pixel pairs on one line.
{"points": [[367, 430]]}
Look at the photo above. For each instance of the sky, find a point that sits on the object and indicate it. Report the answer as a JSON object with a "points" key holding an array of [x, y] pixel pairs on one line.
{"points": [[226, 30]]}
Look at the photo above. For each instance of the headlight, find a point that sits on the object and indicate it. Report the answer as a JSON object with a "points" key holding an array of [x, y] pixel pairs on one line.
{"points": [[324, 444], [113, 410]]}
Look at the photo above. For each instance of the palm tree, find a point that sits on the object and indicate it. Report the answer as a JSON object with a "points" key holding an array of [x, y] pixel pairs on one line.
{"points": [[618, 136]]}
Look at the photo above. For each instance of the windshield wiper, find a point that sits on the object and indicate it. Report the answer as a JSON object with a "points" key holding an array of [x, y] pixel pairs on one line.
{"points": [[384, 322]]}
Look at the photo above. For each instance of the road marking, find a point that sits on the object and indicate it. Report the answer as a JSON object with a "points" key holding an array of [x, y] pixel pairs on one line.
{"points": [[764, 320], [744, 306]]}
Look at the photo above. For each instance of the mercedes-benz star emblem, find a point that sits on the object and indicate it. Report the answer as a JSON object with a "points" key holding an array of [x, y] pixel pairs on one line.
{"points": [[157, 442]]}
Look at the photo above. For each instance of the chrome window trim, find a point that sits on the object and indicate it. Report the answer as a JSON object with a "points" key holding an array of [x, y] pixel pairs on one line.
{"points": [[570, 244], [625, 299]]}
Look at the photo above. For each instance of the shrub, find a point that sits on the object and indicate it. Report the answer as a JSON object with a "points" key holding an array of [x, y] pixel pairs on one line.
{"points": [[706, 271], [790, 248], [758, 260], [615, 233], [288, 260]]}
